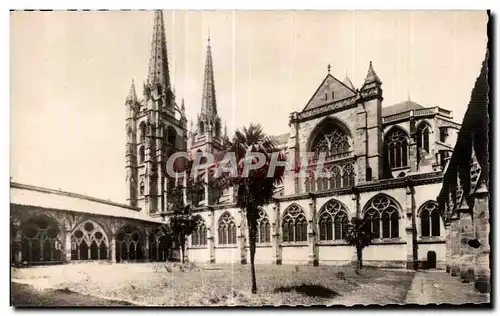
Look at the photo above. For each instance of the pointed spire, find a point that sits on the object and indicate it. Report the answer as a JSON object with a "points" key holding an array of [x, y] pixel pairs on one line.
{"points": [[132, 96], [183, 107], [225, 129], [348, 83], [371, 76], [208, 101], [158, 62]]}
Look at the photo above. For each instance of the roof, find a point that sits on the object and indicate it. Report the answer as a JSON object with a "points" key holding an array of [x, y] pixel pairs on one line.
{"points": [[400, 107], [282, 139]]}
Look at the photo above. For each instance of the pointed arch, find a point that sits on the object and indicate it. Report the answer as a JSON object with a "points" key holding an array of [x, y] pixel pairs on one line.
{"points": [[330, 136], [422, 135], [430, 219], [294, 224], [382, 214], [129, 243], [199, 235], [142, 132], [333, 220], [226, 227], [41, 239], [396, 148], [89, 241], [263, 228]]}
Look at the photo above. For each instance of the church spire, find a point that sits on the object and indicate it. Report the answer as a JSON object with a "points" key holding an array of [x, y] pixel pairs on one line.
{"points": [[158, 62], [208, 102], [132, 96], [371, 76]]}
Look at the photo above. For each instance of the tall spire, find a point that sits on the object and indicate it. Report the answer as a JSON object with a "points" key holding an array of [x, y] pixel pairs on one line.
{"points": [[132, 96], [208, 102], [158, 62]]}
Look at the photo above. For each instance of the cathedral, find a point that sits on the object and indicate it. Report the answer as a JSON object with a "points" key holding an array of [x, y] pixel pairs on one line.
{"points": [[384, 162]]}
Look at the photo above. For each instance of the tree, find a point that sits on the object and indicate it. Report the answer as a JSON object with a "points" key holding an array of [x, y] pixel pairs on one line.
{"points": [[182, 222], [255, 189], [358, 235]]}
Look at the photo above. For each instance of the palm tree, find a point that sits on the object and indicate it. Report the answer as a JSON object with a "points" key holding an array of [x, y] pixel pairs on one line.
{"points": [[257, 189]]}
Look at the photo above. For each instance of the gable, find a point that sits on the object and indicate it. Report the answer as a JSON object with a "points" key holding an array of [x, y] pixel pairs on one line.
{"points": [[323, 94]]}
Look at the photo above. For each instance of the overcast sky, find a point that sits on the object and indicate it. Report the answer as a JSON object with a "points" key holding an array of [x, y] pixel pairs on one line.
{"points": [[71, 71]]}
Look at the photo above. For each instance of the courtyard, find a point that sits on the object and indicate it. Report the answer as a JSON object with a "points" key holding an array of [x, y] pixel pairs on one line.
{"points": [[166, 284]]}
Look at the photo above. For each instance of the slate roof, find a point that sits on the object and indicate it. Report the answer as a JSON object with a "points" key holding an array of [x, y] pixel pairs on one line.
{"points": [[401, 107]]}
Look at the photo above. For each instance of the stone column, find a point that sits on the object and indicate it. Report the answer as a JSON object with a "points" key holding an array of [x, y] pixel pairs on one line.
{"points": [[147, 257], [413, 150], [67, 246], [16, 244], [312, 235], [482, 225], [466, 232], [454, 245], [276, 235], [242, 241], [112, 247], [447, 232], [210, 236], [412, 261]]}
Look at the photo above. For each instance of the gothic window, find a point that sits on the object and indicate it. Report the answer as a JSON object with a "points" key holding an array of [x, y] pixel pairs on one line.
{"points": [[227, 230], [430, 220], [335, 178], [129, 244], [423, 132], [41, 240], [348, 176], [443, 132], [397, 149], [322, 181], [171, 135], [294, 224], [333, 221], [89, 242], [199, 235], [309, 182], [332, 141], [382, 212], [263, 229], [142, 132], [141, 154]]}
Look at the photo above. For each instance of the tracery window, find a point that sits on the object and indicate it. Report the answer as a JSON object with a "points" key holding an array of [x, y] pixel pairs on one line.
{"points": [[294, 225], [430, 219], [199, 235], [333, 221], [332, 141], [142, 132], [89, 242], [141, 154], [397, 149], [129, 243], [41, 240], [336, 177], [227, 230], [382, 216], [171, 135], [263, 229], [423, 132]]}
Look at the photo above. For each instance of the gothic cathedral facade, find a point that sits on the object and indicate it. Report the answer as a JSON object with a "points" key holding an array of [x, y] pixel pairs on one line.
{"points": [[384, 163]]}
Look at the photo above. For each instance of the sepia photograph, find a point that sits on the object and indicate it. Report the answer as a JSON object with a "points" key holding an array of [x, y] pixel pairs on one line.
{"points": [[249, 158]]}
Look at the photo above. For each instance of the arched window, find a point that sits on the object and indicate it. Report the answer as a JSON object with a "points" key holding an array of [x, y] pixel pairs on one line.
{"points": [[89, 242], [396, 144], [294, 224], [348, 176], [263, 229], [142, 132], [333, 221], [322, 180], [332, 141], [199, 235], [171, 135], [227, 230], [41, 240], [335, 178], [309, 182], [129, 243], [430, 220], [382, 211], [141, 154], [423, 132]]}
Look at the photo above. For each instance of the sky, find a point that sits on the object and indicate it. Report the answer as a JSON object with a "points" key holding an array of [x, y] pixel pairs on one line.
{"points": [[71, 71]]}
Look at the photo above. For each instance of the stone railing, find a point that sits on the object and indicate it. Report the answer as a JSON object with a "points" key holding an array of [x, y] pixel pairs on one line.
{"points": [[416, 113], [396, 117]]}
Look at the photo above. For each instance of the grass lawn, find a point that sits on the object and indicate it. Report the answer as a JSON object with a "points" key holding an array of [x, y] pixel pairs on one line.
{"points": [[156, 284]]}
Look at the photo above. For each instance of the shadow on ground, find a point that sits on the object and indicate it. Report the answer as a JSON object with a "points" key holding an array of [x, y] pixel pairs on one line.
{"points": [[311, 290]]}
